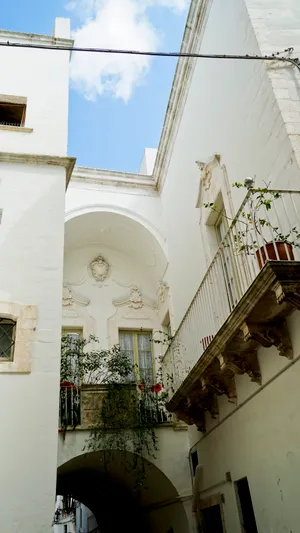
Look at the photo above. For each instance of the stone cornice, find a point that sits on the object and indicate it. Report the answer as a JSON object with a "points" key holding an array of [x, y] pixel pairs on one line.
{"points": [[192, 36], [34, 38], [112, 178], [37, 159]]}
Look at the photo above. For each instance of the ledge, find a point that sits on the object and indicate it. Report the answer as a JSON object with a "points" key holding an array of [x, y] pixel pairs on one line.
{"points": [[16, 128], [193, 34], [258, 320], [112, 178], [34, 38], [40, 159]]}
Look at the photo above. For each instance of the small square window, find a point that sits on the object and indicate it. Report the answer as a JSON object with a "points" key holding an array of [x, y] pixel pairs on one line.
{"points": [[7, 338], [12, 114]]}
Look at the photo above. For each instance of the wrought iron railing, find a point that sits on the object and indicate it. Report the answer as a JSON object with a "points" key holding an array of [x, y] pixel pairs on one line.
{"points": [[80, 406], [266, 227]]}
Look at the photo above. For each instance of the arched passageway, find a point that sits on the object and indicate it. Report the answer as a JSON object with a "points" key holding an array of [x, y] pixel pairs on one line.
{"points": [[110, 494]]}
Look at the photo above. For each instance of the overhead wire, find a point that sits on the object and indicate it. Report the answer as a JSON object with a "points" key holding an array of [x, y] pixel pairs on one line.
{"points": [[274, 57]]}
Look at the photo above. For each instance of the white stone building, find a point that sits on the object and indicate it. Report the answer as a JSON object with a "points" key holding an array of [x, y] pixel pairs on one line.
{"points": [[166, 262]]}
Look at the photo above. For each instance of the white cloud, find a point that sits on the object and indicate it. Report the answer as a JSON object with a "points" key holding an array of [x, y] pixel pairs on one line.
{"points": [[177, 5], [119, 24]]}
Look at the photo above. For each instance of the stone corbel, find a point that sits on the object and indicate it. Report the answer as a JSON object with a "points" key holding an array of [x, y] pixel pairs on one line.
{"points": [[271, 334], [198, 417], [289, 292], [224, 386], [210, 403], [231, 364]]}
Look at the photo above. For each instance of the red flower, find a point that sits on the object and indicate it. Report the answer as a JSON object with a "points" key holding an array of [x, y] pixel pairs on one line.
{"points": [[141, 385], [67, 384], [156, 388]]}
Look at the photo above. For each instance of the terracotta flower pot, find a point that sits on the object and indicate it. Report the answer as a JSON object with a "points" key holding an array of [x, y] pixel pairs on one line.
{"points": [[284, 251]]}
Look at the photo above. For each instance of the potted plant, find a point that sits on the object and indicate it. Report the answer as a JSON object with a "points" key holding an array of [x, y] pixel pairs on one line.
{"points": [[252, 224]]}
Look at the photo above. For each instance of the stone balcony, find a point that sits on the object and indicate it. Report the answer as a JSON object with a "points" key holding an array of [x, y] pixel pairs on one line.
{"points": [[250, 287], [258, 320], [80, 407]]}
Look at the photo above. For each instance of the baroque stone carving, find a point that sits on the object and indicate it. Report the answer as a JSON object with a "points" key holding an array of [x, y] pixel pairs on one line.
{"points": [[135, 300], [206, 175], [99, 268], [70, 298], [288, 292], [225, 386], [162, 291], [271, 334], [231, 364]]}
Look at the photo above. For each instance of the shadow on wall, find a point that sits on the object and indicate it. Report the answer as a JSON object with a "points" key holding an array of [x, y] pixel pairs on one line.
{"points": [[108, 491]]}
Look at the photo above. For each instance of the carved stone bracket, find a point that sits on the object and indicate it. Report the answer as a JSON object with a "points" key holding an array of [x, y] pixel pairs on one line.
{"points": [[225, 386], [197, 417], [288, 292], [271, 334], [231, 363], [209, 403], [258, 320]]}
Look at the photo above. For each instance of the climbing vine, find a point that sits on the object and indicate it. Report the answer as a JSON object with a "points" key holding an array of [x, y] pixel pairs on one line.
{"points": [[128, 409]]}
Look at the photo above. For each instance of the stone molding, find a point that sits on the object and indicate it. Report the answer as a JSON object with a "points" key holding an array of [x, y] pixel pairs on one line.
{"points": [[34, 38], [112, 178], [192, 37], [18, 129], [206, 175], [40, 159]]}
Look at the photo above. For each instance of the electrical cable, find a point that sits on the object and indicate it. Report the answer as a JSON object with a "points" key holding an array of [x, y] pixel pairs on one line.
{"points": [[273, 57]]}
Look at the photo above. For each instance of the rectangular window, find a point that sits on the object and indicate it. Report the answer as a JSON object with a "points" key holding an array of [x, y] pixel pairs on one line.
{"points": [[12, 114], [228, 259], [65, 528], [246, 510], [74, 334], [212, 521], [194, 461], [7, 338], [138, 346]]}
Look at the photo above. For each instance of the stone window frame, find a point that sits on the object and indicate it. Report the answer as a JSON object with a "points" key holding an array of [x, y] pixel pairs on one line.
{"points": [[214, 187], [20, 101], [25, 317]]}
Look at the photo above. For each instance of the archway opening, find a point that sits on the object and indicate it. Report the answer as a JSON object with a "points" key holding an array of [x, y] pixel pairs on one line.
{"points": [[110, 492]]}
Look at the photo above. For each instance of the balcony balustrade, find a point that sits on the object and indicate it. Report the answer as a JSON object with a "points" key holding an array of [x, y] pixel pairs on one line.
{"points": [[265, 231]]}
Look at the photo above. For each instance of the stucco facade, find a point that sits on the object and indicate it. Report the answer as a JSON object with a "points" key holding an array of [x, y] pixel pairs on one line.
{"points": [[226, 120]]}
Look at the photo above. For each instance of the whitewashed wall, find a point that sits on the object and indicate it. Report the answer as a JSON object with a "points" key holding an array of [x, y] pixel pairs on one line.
{"points": [[31, 243], [230, 110], [31, 273], [259, 440], [42, 77], [143, 205]]}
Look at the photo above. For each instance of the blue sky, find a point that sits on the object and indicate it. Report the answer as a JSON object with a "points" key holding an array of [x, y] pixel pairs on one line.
{"points": [[117, 106]]}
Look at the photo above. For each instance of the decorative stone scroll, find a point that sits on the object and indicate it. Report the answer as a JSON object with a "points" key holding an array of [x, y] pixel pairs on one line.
{"points": [[71, 298], [134, 299]]}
